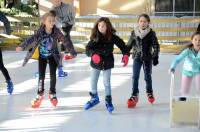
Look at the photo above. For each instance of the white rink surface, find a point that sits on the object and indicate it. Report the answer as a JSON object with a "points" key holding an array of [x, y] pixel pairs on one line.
{"points": [[16, 114]]}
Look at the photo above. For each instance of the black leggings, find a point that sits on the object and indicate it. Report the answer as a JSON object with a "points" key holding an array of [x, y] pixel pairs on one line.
{"points": [[42, 69], [3, 69]]}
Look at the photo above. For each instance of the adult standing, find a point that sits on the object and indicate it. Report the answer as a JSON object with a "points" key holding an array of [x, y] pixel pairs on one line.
{"points": [[65, 16]]}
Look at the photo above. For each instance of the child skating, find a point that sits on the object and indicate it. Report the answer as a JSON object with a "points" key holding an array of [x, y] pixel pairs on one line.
{"points": [[100, 49], [46, 38], [2, 67], [191, 66], [146, 49]]}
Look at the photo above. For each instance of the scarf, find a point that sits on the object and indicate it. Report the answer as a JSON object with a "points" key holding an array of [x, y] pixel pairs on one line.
{"points": [[142, 33]]}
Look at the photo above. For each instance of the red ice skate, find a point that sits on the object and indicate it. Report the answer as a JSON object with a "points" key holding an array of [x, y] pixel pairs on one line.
{"points": [[150, 97], [132, 101], [35, 103], [53, 99]]}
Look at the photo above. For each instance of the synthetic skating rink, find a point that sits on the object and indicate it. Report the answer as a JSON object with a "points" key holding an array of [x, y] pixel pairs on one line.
{"points": [[17, 115]]}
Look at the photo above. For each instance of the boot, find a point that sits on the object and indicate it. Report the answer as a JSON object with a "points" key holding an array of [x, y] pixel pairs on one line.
{"points": [[132, 101], [93, 101], [35, 103], [53, 99], [61, 73], [150, 97], [109, 104], [9, 86]]}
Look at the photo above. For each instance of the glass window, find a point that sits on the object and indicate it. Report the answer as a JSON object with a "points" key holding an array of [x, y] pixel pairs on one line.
{"points": [[184, 5], [164, 5], [197, 3]]}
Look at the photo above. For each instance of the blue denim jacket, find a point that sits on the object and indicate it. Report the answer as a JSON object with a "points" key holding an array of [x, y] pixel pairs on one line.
{"points": [[191, 65]]}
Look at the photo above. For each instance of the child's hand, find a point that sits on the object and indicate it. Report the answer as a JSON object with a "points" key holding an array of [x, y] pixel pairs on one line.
{"points": [[125, 59], [155, 61], [172, 70], [19, 49]]}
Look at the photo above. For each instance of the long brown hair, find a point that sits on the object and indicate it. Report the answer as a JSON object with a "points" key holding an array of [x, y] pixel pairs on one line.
{"points": [[109, 32]]}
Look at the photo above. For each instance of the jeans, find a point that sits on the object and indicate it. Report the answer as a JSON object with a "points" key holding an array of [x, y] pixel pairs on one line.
{"points": [[147, 67], [106, 80]]}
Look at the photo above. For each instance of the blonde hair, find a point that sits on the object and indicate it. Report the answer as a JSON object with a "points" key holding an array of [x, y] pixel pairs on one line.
{"points": [[51, 13]]}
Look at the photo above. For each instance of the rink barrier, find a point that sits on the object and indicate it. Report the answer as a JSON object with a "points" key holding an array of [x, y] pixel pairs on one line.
{"points": [[169, 30]]}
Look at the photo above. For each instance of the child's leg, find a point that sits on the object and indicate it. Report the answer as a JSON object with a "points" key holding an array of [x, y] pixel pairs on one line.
{"points": [[94, 95], [137, 64], [52, 67], [197, 82], [3, 69], [106, 81], [185, 85], [6, 75], [42, 64], [147, 67], [108, 98], [94, 80]]}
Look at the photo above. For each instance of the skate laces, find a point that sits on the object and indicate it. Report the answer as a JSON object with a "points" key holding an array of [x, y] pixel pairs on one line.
{"points": [[150, 95], [52, 96], [133, 97], [94, 97], [109, 103], [9, 84], [39, 97]]}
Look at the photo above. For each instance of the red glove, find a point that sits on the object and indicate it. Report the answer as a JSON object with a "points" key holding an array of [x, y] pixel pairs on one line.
{"points": [[125, 60], [96, 58]]}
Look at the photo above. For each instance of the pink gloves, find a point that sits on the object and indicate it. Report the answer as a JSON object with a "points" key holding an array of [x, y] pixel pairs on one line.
{"points": [[125, 59]]}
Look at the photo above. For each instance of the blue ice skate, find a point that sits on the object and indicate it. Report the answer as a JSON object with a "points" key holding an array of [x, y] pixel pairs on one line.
{"points": [[61, 73], [9, 87], [109, 104], [36, 74], [93, 101]]}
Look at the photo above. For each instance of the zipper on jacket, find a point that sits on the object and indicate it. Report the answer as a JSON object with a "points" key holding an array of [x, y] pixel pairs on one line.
{"points": [[103, 65]]}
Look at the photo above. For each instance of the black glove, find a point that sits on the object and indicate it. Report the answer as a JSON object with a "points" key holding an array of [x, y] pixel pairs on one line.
{"points": [[155, 61]]}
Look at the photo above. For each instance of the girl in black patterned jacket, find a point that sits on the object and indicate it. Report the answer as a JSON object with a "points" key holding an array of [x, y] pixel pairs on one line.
{"points": [[46, 39], [146, 49]]}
